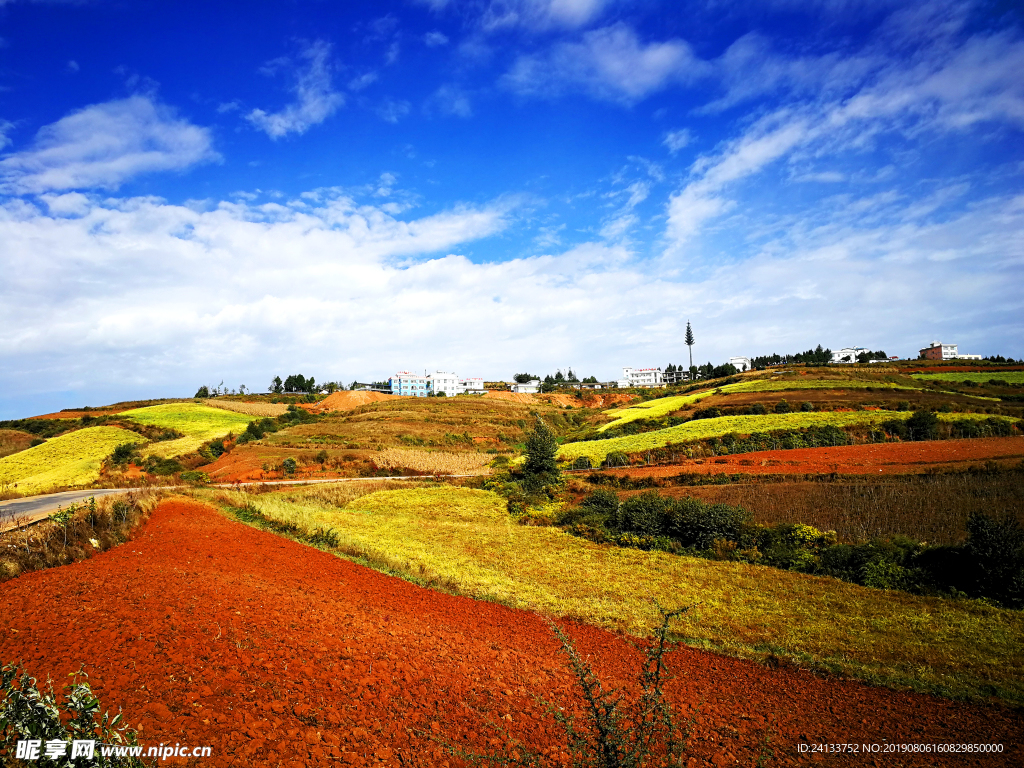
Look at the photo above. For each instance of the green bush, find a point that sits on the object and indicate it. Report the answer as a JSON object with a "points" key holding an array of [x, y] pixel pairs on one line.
{"points": [[807, 407], [782, 406], [757, 409], [289, 466], [26, 713], [923, 425], [123, 453], [697, 525], [996, 547], [582, 462], [711, 412], [647, 514], [615, 459]]}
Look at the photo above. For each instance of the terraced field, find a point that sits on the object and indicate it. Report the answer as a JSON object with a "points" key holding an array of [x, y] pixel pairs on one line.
{"points": [[666, 405], [465, 538], [70, 459], [199, 423], [976, 377], [702, 429]]}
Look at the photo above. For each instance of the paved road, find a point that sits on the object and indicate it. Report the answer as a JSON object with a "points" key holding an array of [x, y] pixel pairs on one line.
{"points": [[19, 512]]}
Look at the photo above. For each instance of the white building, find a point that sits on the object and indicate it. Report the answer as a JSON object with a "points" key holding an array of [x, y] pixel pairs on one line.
{"points": [[848, 354], [442, 381], [531, 387], [641, 377], [740, 363], [473, 386]]}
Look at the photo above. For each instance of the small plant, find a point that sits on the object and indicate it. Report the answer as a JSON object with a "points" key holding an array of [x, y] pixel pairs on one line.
{"points": [[30, 715], [289, 466]]}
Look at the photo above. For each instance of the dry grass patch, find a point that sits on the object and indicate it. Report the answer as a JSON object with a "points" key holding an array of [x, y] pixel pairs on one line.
{"points": [[262, 410], [434, 462]]}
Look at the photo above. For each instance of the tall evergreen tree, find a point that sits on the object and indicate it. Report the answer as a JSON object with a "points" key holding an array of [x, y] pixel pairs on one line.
{"points": [[689, 341]]}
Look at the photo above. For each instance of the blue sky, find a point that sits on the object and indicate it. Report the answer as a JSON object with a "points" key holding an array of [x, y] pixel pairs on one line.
{"points": [[191, 192]]}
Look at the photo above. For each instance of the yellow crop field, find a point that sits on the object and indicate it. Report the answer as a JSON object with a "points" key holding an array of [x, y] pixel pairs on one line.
{"points": [[703, 429], [666, 405], [465, 539], [261, 410], [434, 462], [199, 423], [70, 459]]}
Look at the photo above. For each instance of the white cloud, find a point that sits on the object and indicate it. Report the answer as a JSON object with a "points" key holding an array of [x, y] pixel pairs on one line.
{"points": [[610, 63], [362, 81], [392, 111], [677, 140], [6, 126], [434, 39], [450, 100], [336, 289], [541, 14], [949, 88], [316, 98], [104, 145], [73, 66]]}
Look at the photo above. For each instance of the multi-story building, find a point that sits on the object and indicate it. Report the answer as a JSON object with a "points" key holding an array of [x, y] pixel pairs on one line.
{"points": [[472, 386], [409, 384], [848, 354], [641, 377], [431, 384], [531, 387], [938, 351], [740, 363], [675, 377], [442, 381]]}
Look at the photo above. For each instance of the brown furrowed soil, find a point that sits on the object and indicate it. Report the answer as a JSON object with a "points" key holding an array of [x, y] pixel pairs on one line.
{"points": [[208, 632], [871, 459]]}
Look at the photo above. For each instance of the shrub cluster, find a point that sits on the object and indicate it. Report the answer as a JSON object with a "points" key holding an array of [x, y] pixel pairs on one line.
{"points": [[990, 564]]}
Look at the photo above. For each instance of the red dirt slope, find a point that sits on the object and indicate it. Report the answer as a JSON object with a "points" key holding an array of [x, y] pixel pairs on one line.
{"points": [[880, 458], [208, 632]]}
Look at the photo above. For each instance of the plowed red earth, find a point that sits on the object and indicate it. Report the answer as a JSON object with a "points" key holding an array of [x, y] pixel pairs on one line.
{"points": [[208, 632], [874, 459]]}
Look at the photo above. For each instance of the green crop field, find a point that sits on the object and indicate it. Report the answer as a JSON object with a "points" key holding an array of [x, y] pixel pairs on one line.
{"points": [[466, 540], [70, 459], [666, 405], [703, 429], [1010, 377], [199, 423]]}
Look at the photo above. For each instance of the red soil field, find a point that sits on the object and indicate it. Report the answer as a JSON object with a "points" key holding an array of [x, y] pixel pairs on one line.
{"points": [[872, 459], [346, 401], [210, 633]]}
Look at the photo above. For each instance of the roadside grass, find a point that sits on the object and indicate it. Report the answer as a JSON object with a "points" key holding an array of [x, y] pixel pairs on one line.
{"points": [[199, 423], [666, 405], [702, 429], [71, 459], [1010, 377], [466, 541]]}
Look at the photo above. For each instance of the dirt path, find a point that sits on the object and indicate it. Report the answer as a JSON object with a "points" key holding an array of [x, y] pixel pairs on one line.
{"points": [[208, 632], [880, 458]]}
